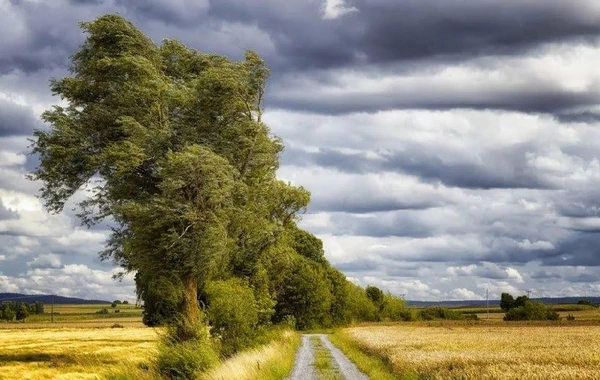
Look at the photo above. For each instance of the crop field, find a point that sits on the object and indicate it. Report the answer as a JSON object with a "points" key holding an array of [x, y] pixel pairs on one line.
{"points": [[74, 353], [485, 351], [580, 312], [81, 316], [81, 344]]}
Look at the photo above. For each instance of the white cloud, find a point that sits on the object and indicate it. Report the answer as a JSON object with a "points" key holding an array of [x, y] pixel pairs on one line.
{"points": [[463, 294], [47, 260], [333, 9]]}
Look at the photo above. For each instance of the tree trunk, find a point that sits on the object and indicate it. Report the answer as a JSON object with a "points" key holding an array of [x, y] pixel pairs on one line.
{"points": [[188, 327]]}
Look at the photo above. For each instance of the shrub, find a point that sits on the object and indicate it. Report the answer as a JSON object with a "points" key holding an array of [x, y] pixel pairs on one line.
{"points": [[432, 313], [232, 313], [531, 311], [305, 294], [393, 309], [184, 360], [102, 311]]}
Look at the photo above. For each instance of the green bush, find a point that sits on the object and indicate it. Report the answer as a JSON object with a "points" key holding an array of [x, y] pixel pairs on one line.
{"points": [[393, 309], [359, 306], [432, 313], [305, 294], [232, 314], [183, 360], [531, 311]]}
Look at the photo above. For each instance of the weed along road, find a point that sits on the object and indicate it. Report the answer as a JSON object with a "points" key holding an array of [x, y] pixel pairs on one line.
{"points": [[318, 358]]}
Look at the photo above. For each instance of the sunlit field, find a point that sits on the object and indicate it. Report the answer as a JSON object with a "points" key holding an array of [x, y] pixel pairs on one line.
{"points": [[81, 344], [484, 351], [582, 313], [81, 316], [74, 353]]}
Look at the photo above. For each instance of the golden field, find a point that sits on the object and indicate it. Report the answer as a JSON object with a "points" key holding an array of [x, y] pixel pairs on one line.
{"points": [[73, 353], [462, 351], [84, 345]]}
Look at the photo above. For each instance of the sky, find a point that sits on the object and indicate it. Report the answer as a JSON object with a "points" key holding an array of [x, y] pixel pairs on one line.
{"points": [[450, 146]]}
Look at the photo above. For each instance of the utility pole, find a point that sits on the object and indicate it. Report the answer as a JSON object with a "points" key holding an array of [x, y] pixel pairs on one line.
{"points": [[52, 310], [487, 302], [528, 293]]}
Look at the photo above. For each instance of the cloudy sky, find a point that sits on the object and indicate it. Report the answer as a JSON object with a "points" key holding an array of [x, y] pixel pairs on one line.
{"points": [[450, 146]]}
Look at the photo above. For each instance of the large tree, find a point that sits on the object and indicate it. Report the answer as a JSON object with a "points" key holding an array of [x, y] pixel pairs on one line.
{"points": [[171, 145]]}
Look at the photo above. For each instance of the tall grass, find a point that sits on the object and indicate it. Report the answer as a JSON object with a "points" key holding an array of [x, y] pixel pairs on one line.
{"points": [[374, 366], [271, 361]]}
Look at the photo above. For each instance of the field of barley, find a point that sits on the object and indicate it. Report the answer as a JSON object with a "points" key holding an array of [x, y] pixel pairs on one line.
{"points": [[82, 344], [74, 353], [523, 352]]}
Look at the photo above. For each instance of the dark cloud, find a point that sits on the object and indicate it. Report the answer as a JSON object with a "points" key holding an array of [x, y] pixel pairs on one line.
{"points": [[504, 169], [16, 119]]}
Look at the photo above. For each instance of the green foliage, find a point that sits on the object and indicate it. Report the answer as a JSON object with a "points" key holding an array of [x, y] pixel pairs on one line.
{"points": [[305, 295], [531, 311], [432, 313], [232, 313], [173, 144], [10, 310], [359, 306], [184, 360], [7, 313], [102, 311], [339, 297], [21, 311], [506, 302], [162, 296], [587, 303], [375, 295], [307, 245], [394, 309]]}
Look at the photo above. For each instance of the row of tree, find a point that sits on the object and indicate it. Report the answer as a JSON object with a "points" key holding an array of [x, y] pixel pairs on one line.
{"points": [[524, 309], [172, 144], [15, 310]]}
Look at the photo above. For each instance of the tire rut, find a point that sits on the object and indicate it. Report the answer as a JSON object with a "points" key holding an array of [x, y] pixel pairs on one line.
{"points": [[304, 364]]}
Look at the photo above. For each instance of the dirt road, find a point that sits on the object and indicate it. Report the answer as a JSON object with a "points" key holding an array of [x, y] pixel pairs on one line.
{"points": [[338, 365]]}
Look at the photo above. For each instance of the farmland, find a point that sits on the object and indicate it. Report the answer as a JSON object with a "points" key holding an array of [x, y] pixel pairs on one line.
{"points": [[484, 350], [82, 344]]}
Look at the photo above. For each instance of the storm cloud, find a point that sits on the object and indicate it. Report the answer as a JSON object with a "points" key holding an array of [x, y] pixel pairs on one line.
{"points": [[450, 146]]}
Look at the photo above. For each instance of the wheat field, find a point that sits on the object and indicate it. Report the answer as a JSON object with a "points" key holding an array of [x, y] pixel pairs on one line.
{"points": [[523, 352], [74, 353]]}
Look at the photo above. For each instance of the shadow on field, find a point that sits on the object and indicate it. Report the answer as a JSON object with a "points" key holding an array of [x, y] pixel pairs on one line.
{"points": [[53, 359]]}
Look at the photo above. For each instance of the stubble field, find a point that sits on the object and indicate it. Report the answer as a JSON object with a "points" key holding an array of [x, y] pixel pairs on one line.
{"points": [[456, 351]]}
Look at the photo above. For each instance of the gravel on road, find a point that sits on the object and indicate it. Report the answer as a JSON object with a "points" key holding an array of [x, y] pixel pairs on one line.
{"points": [[305, 370]]}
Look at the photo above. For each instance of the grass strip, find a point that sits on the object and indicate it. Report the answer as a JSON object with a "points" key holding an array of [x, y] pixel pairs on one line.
{"points": [[377, 367], [271, 361], [324, 361]]}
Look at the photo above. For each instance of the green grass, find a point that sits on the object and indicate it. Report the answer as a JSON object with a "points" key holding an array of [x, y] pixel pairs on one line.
{"points": [[324, 362], [376, 367]]}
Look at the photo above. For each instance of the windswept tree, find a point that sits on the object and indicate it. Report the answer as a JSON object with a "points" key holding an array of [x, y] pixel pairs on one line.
{"points": [[171, 146]]}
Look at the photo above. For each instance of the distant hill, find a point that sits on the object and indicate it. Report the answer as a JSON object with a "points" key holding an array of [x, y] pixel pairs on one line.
{"points": [[46, 298], [494, 303]]}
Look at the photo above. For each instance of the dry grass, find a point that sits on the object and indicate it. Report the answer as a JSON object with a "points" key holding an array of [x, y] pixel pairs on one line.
{"points": [[485, 352], [271, 361], [69, 353]]}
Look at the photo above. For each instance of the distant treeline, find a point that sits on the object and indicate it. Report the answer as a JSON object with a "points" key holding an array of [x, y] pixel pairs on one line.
{"points": [[47, 298], [11, 310]]}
